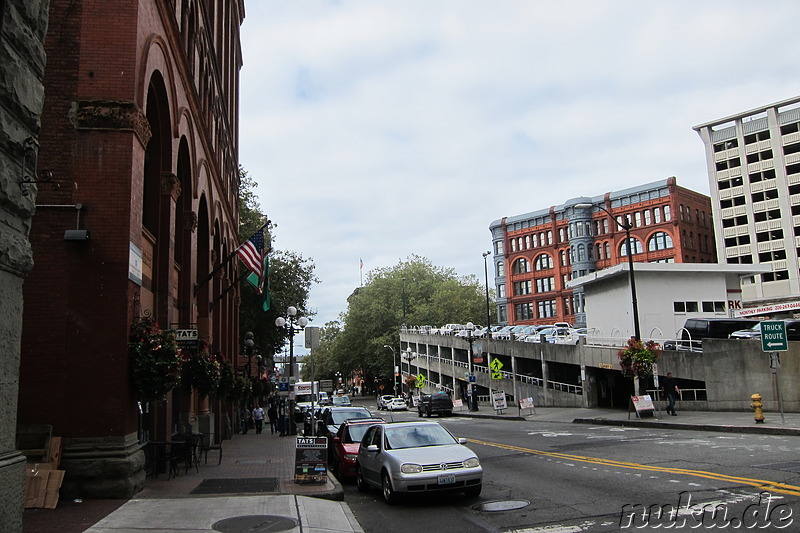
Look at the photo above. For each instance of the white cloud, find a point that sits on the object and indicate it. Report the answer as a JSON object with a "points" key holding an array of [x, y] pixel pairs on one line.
{"points": [[381, 129]]}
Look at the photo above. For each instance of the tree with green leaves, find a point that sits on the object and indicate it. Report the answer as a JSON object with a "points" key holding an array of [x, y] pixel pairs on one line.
{"points": [[414, 292], [290, 278]]}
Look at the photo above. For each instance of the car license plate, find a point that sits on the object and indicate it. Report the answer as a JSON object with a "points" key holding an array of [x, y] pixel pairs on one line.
{"points": [[447, 479]]}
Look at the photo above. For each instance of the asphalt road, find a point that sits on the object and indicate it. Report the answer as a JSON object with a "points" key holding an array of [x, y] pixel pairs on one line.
{"points": [[554, 478]]}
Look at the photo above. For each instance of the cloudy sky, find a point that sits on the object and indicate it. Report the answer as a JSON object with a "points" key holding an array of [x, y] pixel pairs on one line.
{"points": [[378, 129]]}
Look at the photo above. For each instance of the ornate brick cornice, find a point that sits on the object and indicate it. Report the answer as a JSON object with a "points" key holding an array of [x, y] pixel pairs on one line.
{"points": [[110, 115], [190, 221], [170, 186]]}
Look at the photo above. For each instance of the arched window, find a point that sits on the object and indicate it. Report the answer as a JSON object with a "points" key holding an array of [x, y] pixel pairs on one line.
{"points": [[657, 215], [527, 241], [501, 269], [607, 247], [598, 251], [549, 237], [667, 214], [543, 262], [563, 257], [659, 241], [636, 247], [535, 240], [581, 252], [520, 266], [513, 245]]}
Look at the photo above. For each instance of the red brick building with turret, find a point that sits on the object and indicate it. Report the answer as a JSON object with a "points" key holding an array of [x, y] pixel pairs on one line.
{"points": [[537, 253]]}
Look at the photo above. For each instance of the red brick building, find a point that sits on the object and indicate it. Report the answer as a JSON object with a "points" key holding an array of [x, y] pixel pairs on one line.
{"points": [[139, 132], [537, 253]]}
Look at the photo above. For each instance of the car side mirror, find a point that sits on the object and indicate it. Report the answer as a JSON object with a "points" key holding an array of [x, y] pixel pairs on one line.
{"points": [[462, 440], [372, 448]]}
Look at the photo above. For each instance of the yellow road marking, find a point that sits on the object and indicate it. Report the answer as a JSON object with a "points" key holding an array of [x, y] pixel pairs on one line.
{"points": [[758, 483]]}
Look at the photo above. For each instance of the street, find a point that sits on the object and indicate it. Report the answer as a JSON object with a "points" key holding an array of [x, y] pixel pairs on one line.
{"points": [[558, 477]]}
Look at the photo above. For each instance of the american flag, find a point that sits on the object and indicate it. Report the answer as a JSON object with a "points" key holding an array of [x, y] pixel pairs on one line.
{"points": [[252, 253]]}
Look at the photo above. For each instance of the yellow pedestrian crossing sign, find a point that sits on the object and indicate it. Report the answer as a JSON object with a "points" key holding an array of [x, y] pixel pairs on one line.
{"points": [[496, 365], [420, 381]]}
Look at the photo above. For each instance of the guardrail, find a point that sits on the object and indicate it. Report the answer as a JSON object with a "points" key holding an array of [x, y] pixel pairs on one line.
{"points": [[684, 395]]}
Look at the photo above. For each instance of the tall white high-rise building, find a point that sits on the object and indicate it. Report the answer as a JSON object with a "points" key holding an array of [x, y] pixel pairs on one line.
{"points": [[753, 161]]}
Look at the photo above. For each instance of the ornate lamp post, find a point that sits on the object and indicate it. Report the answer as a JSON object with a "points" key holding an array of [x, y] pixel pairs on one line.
{"points": [[471, 390], [627, 227], [249, 343], [289, 325]]}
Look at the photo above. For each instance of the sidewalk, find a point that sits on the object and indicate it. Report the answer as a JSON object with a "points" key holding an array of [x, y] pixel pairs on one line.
{"points": [[254, 486], [736, 422], [260, 471]]}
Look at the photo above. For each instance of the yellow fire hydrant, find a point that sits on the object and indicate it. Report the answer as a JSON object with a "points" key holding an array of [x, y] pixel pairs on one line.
{"points": [[758, 406]]}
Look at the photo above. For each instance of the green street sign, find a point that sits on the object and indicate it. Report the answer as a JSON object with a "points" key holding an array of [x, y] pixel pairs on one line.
{"points": [[773, 336]]}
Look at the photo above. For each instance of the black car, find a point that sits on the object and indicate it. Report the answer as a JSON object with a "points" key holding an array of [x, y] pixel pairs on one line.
{"points": [[439, 403], [331, 417]]}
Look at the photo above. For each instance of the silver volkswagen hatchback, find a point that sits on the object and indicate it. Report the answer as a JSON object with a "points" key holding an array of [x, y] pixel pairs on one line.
{"points": [[416, 457]]}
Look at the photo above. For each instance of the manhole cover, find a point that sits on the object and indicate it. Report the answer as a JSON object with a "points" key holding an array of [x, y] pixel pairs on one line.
{"points": [[237, 485], [508, 505], [264, 523]]}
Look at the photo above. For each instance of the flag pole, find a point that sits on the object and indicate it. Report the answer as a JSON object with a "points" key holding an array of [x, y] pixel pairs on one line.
{"points": [[227, 290], [200, 284]]}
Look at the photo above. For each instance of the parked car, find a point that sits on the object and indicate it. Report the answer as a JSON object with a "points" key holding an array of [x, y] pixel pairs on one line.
{"points": [[792, 331], [331, 418], [397, 404], [416, 457], [383, 401], [345, 444], [696, 329], [341, 401], [439, 403]]}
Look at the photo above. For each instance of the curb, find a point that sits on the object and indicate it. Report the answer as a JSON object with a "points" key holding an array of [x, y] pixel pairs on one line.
{"points": [[763, 430], [492, 417]]}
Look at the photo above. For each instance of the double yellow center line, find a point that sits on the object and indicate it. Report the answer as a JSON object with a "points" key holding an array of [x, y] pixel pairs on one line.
{"points": [[760, 484]]}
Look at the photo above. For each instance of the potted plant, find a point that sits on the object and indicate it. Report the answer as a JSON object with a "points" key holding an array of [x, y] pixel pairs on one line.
{"points": [[155, 360], [636, 360], [200, 371]]}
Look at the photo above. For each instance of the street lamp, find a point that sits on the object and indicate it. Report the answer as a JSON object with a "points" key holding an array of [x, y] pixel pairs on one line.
{"points": [[471, 390], [394, 367], [627, 227], [288, 324], [248, 348], [488, 315]]}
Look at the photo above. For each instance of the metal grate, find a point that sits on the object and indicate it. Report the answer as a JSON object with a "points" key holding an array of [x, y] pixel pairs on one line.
{"points": [[236, 486]]}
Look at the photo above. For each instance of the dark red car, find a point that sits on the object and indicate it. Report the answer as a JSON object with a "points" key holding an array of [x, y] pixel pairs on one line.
{"points": [[345, 446]]}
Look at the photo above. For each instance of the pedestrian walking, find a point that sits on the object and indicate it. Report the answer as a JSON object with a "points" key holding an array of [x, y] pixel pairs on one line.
{"points": [[671, 391], [272, 414], [258, 417], [246, 420]]}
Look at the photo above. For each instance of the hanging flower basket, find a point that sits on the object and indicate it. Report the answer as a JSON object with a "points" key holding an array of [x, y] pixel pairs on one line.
{"points": [[637, 359], [227, 380], [155, 361], [200, 371]]}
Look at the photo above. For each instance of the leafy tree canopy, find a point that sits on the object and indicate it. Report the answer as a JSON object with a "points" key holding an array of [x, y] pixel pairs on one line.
{"points": [[414, 292]]}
